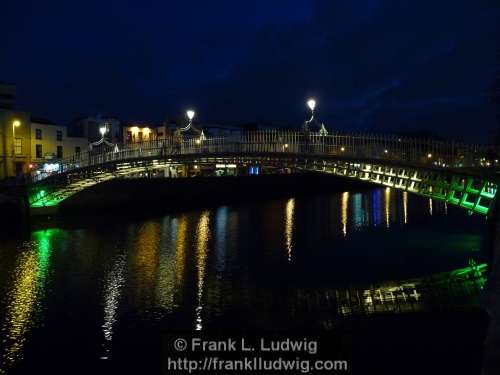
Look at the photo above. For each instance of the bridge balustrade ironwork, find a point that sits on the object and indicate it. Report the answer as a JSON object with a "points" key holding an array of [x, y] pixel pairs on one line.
{"points": [[350, 146]]}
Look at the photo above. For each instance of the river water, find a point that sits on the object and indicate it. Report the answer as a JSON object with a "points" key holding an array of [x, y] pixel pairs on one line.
{"points": [[88, 295]]}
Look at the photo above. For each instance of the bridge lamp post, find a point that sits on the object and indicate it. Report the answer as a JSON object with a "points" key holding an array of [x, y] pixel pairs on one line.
{"points": [[311, 103], [190, 115]]}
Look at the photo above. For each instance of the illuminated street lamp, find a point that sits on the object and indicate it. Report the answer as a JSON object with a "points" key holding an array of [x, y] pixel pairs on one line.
{"points": [[103, 130], [311, 103], [190, 114], [429, 155]]}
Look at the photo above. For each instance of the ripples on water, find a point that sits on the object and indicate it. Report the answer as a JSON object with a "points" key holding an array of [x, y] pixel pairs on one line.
{"points": [[261, 265]]}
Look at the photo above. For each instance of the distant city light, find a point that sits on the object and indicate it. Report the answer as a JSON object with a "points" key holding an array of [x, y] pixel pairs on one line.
{"points": [[342, 148], [429, 155], [386, 151], [225, 165], [311, 103], [49, 167]]}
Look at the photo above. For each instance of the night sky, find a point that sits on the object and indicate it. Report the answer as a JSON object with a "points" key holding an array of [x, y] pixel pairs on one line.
{"points": [[372, 65]]}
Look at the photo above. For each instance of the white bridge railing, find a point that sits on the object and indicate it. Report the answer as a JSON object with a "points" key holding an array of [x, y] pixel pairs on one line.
{"points": [[362, 146]]}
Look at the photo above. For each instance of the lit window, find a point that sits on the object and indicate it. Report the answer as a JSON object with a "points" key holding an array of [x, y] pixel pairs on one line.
{"points": [[18, 146]]}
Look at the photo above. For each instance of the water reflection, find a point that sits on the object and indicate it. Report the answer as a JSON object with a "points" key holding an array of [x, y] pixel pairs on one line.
{"points": [[290, 207], [387, 200], [344, 213], [229, 267], [445, 291], [167, 267], [405, 207], [23, 302], [112, 292], [203, 236], [145, 261]]}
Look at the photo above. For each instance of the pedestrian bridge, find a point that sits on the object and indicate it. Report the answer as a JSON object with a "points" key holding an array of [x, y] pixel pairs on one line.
{"points": [[447, 171]]}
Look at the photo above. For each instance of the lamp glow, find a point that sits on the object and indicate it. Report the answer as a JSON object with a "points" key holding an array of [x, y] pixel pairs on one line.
{"points": [[311, 103], [190, 114], [16, 123], [102, 130]]}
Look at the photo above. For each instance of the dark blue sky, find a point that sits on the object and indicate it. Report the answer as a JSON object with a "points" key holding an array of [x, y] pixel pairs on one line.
{"points": [[373, 65]]}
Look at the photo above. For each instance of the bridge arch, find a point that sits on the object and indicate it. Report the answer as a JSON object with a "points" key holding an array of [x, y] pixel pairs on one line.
{"points": [[440, 171]]}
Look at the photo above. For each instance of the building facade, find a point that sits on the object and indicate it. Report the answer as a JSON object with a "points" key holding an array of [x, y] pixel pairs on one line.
{"points": [[15, 143], [137, 133], [50, 142]]}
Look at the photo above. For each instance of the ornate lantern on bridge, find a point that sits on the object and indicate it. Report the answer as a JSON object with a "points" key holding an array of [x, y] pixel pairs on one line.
{"points": [[189, 127], [312, 125], [102, 145]]}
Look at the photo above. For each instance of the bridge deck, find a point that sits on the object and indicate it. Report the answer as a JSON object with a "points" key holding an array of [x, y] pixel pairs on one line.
{"points": [[449, 172]]}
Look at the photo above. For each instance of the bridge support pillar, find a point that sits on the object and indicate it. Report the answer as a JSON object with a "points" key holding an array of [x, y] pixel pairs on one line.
{"points": [[490, 299]]}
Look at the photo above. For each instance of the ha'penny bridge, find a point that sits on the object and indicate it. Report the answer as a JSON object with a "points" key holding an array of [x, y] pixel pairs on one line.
{"points": [[457, 174], [447, 171]]}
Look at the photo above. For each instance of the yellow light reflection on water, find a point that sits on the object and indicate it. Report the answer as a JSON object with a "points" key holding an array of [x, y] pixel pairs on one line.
{"points": [[145, 262], [202, 239], [180, 251], [165, 290], [405, 207], [23, 300], [290, 207], [344, 211], [387, 199]]}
